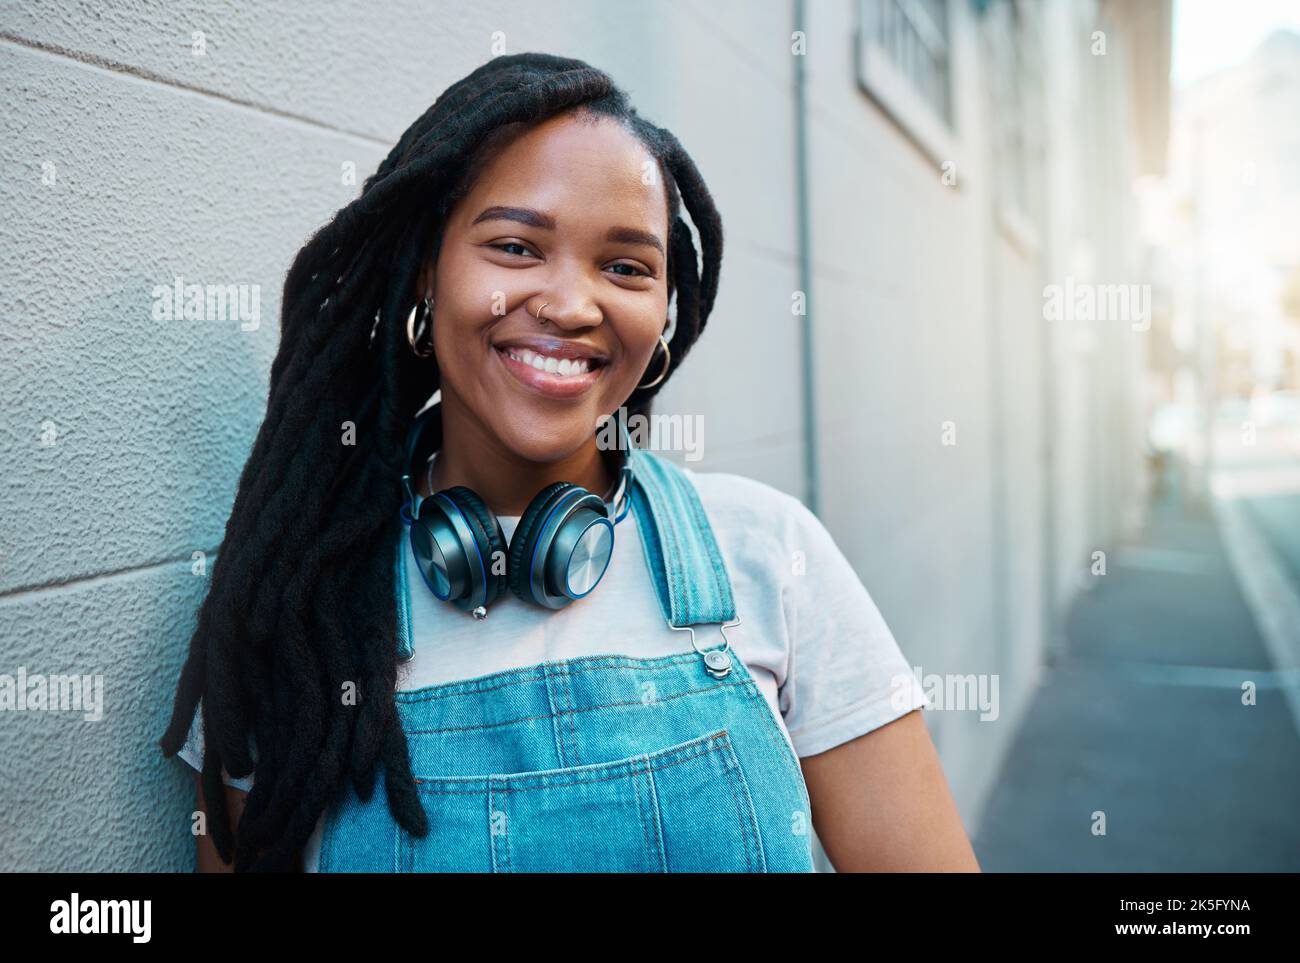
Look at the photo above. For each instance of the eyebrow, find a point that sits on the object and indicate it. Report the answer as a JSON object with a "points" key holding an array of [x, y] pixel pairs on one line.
{"points": [[526, 215]]}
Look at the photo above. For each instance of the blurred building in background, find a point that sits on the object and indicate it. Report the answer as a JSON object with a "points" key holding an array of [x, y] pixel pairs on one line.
{"points": [[1235, 180], [1227, 216]]}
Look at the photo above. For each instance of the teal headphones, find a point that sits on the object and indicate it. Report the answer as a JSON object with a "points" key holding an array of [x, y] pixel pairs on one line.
{"points": [[559, 552]]}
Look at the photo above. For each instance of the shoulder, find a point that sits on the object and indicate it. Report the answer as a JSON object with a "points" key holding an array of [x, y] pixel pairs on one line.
{"points": [[744, 509], [745, 491], [764, 528]]}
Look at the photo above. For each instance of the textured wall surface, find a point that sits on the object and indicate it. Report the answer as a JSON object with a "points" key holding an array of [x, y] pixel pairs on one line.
{"points": [[128, 160]]}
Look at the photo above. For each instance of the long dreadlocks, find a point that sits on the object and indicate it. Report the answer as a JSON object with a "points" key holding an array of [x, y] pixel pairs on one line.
{"points": [[301, 600]]}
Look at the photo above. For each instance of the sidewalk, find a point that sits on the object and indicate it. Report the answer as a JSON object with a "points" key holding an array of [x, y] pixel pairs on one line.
{"points": [[1143, 720]]}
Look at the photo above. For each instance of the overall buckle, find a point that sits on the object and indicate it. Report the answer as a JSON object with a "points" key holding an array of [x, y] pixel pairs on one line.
{"points": [[717, 661]]}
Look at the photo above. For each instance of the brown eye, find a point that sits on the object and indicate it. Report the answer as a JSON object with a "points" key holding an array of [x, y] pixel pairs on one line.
{"points": [[502, 247]]}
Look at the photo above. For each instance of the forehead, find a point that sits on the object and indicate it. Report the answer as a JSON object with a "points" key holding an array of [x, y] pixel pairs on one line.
{"points": [[563, 164]]}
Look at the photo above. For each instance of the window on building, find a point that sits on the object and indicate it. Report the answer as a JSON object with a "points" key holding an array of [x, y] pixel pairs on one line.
{"points": [[904, 65], [1011, 51]]}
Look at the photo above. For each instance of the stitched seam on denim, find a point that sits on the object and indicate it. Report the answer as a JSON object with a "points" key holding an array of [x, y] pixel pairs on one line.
{"points": [[606, 705], [725, 606], [779, 743], [506, 836], [557, 724], [688, 536], [640, 810], [735, 798], [405, 642], [682, 607], [492, 836], [663, 519], [629, 763], [652, 547], [674, 543], [736, 772], [781, 746], [539, 674], [507, 789], [740, 815], [730, 779], [676, 658], [536, 677], [700, 540], [573, 724], [504, 866], [660, 850]]}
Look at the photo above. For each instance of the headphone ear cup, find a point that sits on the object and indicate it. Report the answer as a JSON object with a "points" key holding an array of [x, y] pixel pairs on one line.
{"points": [[522, 544], [489, 536]]}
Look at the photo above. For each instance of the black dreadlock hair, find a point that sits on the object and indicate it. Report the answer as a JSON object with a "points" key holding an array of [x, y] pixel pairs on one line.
{"points": [[301, 600]]}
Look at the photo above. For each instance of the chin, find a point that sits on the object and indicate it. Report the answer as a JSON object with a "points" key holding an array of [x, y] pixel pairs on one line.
{"points": [[537, 437]]}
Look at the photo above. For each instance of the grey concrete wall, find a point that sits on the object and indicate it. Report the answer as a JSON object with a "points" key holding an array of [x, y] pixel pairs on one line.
{"points": [[127, 160], [123, 437], [901, 292]]}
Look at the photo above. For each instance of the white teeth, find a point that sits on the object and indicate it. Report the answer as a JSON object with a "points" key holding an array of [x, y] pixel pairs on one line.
{"points": [[564, 367]]}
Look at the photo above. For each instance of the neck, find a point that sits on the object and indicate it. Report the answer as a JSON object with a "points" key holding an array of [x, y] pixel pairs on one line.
{"points": [[472, 456]]}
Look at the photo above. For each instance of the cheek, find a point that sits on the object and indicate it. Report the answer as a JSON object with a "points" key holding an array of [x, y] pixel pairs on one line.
{"points": [[643, 339], [460, 313], [451, 341], [641, 352]]}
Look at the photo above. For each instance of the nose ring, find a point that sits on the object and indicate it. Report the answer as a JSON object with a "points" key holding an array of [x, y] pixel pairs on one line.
{"points": [[539, 312]]}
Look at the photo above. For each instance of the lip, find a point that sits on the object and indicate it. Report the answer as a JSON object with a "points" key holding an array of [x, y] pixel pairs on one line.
{"points": [[554, 347], [544, 382]]}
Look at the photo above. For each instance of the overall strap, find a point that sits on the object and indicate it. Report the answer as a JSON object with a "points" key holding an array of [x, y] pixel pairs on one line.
{"points": [[683, 557], [405, 647]]}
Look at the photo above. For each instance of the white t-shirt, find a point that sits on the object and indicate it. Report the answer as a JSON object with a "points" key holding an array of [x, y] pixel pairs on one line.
{"points": [[811, 636]]}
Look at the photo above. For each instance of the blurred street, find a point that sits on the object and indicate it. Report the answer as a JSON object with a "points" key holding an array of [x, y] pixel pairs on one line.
{"points": [[1143, 719]]}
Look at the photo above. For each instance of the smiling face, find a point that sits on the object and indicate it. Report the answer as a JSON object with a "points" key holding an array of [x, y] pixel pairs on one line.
{"points": [[561, 217]]}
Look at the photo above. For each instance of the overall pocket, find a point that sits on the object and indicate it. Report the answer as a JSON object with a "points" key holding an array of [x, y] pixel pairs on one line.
{"points": [[686, 808]]}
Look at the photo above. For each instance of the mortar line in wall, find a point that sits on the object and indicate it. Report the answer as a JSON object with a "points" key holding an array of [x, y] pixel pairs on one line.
{"points": [[140, 73], [759, 249], [16, 594]]}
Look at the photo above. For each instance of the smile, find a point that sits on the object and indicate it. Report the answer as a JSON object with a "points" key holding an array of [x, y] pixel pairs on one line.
{"points": [[561, 366], [550, 374]]}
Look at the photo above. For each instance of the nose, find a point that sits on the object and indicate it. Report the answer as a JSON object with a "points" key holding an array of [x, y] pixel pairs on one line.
{"points": [[567, 302]]}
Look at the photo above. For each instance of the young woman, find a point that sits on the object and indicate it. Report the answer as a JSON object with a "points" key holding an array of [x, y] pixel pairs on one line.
{"points": [[476, 635]]}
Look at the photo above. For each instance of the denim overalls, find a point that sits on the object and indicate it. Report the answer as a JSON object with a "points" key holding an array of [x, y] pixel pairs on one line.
{"points": [[604, 763]]}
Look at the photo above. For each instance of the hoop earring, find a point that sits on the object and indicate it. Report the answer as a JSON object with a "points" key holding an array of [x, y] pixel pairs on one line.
{"points": [[663, 373], [425, 320]]}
